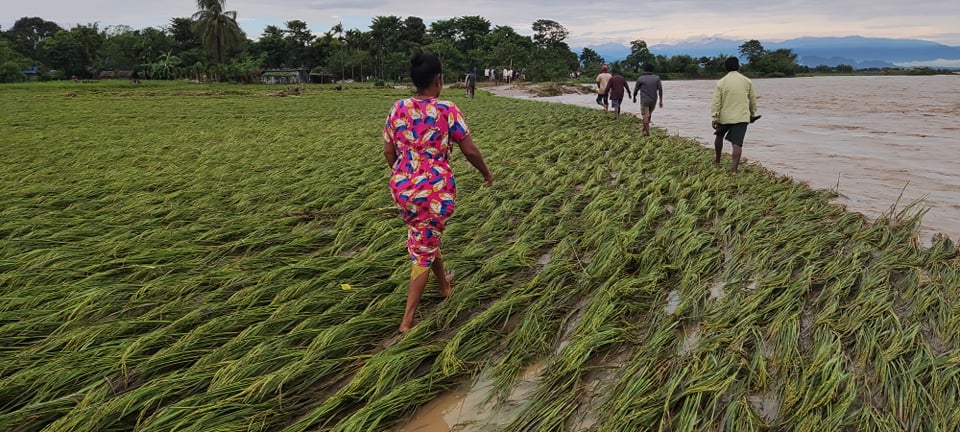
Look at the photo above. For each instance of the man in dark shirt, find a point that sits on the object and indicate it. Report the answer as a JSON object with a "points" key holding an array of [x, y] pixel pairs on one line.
{"points": [[615, 89], [471, 82], [649, 87]]}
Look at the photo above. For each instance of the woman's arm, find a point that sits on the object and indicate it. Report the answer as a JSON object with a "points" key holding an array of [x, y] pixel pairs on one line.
{"points": [[472, 153], [390, 152]]}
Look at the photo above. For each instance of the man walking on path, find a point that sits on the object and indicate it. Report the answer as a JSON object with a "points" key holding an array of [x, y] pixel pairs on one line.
{"points": [[734, 105], [649, 87], [471, 82], [615, 89], [602, 81]]}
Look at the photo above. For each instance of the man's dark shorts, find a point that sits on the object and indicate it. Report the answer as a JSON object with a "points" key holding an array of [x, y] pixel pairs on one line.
{"points": [[734, 132], [602, 99]]}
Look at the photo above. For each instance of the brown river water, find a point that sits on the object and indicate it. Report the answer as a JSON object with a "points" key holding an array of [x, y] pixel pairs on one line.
{"points": [[870, 138]]}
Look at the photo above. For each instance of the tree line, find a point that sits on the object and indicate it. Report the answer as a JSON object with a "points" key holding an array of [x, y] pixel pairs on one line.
{"points": [[210, 45], [758, 62]]}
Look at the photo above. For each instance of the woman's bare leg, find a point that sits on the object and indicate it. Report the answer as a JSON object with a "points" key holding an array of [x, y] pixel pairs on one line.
{"points": [[414, 292], [445, 279]]}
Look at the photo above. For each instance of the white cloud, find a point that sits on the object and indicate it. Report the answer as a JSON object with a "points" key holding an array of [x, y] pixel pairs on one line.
{"points": [[938, 63]]}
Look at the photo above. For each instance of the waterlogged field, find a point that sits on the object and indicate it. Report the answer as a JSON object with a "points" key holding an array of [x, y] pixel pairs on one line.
{"points": [[219, 258]]}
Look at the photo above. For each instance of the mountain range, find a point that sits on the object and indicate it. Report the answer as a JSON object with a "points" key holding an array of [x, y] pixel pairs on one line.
{"points": [[858, 51]]}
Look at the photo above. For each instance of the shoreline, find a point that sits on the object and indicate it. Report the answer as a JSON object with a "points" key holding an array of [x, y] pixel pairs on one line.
{"points": [[791, 141]]}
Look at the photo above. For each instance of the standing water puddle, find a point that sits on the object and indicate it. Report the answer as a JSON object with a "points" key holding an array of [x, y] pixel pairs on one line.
{"points": [[464, 410]]}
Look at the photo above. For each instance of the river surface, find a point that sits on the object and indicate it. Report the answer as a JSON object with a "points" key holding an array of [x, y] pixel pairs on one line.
{"points": [[869, 137]]}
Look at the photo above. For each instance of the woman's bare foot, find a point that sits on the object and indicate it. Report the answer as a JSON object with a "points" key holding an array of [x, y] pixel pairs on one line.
{"points": [[405, 327], [446, 285]]}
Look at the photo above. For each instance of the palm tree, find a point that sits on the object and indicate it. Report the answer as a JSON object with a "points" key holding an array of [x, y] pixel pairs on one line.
{"points": [[218, 29], [165, 67]]}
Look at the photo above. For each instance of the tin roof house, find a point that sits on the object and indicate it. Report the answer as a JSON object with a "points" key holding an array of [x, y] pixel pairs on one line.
{"points": [[285, 76]]}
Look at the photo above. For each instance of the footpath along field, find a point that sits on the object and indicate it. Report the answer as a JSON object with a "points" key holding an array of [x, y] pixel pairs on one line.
{"points": [[218, 258]]}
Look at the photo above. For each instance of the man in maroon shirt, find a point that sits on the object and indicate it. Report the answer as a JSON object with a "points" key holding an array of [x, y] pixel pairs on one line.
{"points": [[615, 89]]}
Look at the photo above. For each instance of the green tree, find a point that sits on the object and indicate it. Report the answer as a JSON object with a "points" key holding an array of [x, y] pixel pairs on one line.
{"points": [[396, 65], [181, 33], [442, 29], [152, 43], [552, 63], [752, 50], [360, 64], [119, 49], [590, 60], [331, 52], [336, 65], [12, 63], [503, 47], [273, 47], [385, 38], [244, 68], [11, 72], [65, 53], [8, 54], [185, 43], [552, 58], [639, 55], [547, 33], [781, 62], [450, 57], [680, 64], [166, 66], [714, 65], [298, 39], [470, 32], [414, 33], [28, 32], [218, 29], [361, 57]]}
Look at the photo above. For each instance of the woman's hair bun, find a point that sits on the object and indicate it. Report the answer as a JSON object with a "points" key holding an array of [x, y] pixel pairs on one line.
{"points": [[417, 59], [424, 68]]}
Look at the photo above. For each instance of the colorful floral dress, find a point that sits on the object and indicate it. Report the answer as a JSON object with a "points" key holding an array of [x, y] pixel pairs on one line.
{"points": [[422, 182]]}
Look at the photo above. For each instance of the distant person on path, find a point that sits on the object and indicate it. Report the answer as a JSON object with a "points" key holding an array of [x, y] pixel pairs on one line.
{"points": [[615, 89], [734, 106], [602, 79], [471, 83], [417, 142], [649, 87]]}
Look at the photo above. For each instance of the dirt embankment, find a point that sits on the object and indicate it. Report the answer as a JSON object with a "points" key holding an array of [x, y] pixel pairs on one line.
{"points": [[538, 89]]}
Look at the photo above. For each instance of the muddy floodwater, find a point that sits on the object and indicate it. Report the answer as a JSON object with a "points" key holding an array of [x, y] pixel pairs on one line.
{"points": [[868, 137]]}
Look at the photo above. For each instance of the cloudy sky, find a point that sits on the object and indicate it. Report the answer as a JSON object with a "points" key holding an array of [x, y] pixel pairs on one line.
{"points": [[589, 22]]}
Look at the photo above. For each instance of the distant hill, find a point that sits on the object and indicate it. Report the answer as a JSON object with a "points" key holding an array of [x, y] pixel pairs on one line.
{"points": [[858, 51]]}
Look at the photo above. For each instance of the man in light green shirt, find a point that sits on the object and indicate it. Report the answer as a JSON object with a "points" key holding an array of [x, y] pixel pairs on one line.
{"points": [[734, 105]]}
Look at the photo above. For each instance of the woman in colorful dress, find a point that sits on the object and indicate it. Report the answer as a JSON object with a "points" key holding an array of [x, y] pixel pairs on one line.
{"points": [[416, 143]]}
